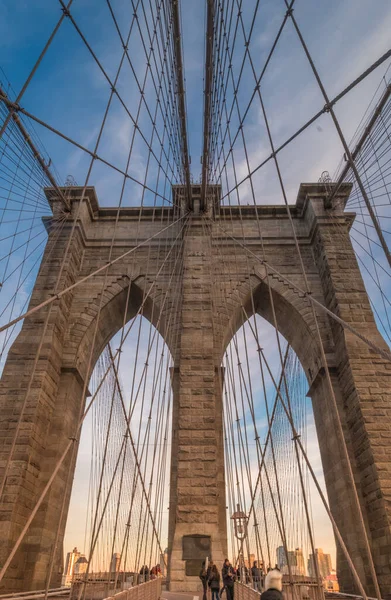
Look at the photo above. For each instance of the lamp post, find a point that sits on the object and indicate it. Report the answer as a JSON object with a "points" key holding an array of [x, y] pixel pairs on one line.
{"points": [[240, 523], [240, 527]]}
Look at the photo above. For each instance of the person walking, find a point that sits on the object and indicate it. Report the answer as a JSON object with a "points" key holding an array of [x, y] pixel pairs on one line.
{"points": [[246, 575], [228, 579], [256, 575], [273, 586], [144, 572], [261, 568], [214, 581], [204, 579]]}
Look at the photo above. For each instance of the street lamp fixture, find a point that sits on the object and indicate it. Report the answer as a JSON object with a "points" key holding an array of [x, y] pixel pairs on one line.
{"points": [[240, 523]]}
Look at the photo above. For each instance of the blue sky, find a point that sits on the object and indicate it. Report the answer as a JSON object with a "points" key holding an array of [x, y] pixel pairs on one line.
{"points": [[69, 92]]}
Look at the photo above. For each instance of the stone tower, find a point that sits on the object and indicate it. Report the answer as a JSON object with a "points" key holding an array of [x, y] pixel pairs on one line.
{"points": [[205, 322]]}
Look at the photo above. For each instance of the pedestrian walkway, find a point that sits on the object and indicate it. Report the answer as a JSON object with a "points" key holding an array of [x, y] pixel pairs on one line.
{"points": [[178, 596]]}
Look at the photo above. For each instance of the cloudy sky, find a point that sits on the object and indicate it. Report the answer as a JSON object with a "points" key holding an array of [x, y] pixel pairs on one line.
{"points": [[70, 93]]}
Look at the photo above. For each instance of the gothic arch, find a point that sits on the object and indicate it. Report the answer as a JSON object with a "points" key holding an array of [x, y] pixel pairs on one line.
{"points": [[296, 323], [293, 316], [118, 299]]}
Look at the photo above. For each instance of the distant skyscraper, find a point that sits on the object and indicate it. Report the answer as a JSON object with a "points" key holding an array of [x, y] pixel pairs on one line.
{"points": [[281, 557], [295, 559], [81, 565], [249, 561], [324, 563], [299, 561], [70, 562], [330, 583], [163, 562], [115, 562]]}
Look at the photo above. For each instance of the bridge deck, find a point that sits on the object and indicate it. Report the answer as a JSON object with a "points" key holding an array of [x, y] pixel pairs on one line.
{"points": [[178, 596]]}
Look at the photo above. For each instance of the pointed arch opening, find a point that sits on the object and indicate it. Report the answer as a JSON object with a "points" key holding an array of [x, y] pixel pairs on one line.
{"points": [[119, 500], [267, 478]]}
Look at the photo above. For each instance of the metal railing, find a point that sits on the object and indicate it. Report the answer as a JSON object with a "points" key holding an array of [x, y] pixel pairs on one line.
{"points": [[343, 596], [301, 589], [97, 590], [102, 586], [35, 594], [151, 590]]}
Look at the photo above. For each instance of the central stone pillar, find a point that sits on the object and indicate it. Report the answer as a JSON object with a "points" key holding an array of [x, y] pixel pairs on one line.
{"points": [[197, 522]]}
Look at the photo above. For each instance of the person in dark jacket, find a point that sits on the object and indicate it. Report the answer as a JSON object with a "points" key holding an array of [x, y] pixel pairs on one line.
{"points": [[273, 586], [144, 572], [214, 581], [228, 579], [256, 575], [246, 575], [204, 578]]}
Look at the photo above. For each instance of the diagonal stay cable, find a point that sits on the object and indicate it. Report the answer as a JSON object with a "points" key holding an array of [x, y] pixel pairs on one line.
{"points": [[35, 151], [136, 458], [149, 51], [139, 86], [59, 276], [69, 445], [247, 110], [84, 279], [128, 416], [33, 70], [307, 289], [112, 85], [296, 437], [329, 108], [181, 91], [309, 296], [324, 110], [78, 145], [324, 360]]}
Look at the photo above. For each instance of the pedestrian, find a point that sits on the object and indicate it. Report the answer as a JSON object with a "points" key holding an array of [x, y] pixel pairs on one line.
{"points": [[204, 578], [142, 574], [246, 575], [214, 581], [256, 575], [228, 576], [261, 568], [273, 586]]}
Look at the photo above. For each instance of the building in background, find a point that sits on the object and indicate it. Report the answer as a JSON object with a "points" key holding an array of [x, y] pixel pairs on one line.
{"points": [[164, 562], [324, 564], [330, 583], [249, 561], [80, 566], [281, 558], [299, 562], [295, 560], [70, 562], [246, 561], [115, 562]]}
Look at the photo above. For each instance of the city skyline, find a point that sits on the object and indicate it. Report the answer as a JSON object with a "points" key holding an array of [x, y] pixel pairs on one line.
{"points": [[296, 561], [324, 563]]}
